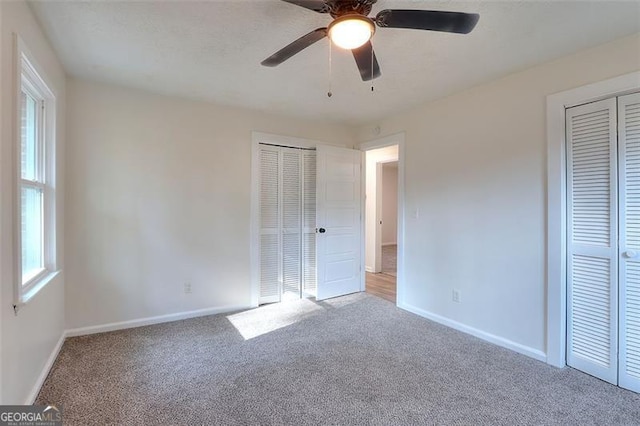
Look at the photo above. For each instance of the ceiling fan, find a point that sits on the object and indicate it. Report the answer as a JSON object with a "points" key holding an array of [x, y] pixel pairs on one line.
{"points": [[352, 29]]}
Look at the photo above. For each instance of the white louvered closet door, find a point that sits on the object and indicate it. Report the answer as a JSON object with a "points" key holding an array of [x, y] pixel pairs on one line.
{"points": [[270, 212], [291, 222], [287, 223], [592, 253], [629, 220]]}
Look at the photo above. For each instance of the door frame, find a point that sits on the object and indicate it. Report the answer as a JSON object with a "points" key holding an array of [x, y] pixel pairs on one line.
{"points": [[557, 202], [394, 139]]}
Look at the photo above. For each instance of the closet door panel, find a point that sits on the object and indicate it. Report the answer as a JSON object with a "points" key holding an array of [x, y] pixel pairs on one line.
{"points": [[592, 239], [629, 184], [270, 266], [291, 222]]}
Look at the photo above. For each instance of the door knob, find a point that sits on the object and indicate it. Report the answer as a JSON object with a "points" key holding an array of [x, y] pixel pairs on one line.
{"points": [[630, 254], [322, 230]]}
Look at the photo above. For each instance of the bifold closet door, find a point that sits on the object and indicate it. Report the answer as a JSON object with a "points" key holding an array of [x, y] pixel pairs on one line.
{"points": [[270, 224], [287, 223], [291, 222], [592, 250], [629, 220], [298, 222]]}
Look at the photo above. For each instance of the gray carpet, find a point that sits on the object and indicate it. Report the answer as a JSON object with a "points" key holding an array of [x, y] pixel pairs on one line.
{"points": [[355, 360], [390, 259]]}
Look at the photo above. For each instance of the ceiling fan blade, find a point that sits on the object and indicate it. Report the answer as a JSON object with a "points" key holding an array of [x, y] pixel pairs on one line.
{"points": [[316, 5], [433, 20], [297, 46], [363, 56]]}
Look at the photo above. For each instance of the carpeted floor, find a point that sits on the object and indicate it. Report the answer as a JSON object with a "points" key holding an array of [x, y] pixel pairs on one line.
{"points": [[390, 259], [354, 360]]}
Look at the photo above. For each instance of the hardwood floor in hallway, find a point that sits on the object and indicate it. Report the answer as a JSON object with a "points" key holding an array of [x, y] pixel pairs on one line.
{"points": [[381, 285]]}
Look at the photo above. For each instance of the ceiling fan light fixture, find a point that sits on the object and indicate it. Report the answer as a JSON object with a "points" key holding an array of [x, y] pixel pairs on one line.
{"points": [[351, 31]]}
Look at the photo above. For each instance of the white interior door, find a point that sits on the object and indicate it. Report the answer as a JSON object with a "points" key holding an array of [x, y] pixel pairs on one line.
{"points": [[338, 221], [592, 249], [629, 249]]}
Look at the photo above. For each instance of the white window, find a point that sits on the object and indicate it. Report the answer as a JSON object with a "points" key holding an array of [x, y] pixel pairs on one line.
{"points": [[35, 203]]}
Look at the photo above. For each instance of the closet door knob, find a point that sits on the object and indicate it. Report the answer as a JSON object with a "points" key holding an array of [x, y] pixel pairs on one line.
{"points": [[630, 254], [322, 230]]}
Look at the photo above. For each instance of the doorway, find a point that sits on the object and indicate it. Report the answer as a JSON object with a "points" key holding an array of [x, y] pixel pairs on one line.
{"points": [[382, 187]]}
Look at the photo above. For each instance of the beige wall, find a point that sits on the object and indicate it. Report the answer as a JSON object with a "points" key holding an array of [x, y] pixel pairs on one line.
{"points": [[476, 171], [158, 194], [28, 339]]}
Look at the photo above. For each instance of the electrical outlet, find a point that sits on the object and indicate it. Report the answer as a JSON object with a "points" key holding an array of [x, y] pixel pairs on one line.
{"points": [[187, 288], [456, 295]]}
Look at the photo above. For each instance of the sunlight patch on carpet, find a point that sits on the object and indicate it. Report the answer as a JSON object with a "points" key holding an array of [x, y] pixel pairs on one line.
{"points": [[266, 319]]}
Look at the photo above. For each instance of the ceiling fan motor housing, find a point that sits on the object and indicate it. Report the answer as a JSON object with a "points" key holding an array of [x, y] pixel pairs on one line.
{"points": [[339, 8]]}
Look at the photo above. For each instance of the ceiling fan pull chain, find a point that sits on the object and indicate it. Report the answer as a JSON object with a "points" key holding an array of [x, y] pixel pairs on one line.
{"points": [[329, 93], [372, 79]]}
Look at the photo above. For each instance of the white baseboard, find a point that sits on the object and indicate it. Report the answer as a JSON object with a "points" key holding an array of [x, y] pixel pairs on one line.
{"points": [[492, 338], [369, 269], [83, 331], [45, 370], [389, 244]]}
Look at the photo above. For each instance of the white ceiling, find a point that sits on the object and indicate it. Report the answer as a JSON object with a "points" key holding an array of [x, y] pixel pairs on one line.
{"points": [[212, 50]]}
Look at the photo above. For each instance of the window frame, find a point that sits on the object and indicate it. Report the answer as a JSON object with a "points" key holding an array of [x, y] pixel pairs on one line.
{"points": [[29, 78]]}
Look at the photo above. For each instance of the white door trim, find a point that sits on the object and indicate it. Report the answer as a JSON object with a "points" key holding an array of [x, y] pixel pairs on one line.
{"points": [[556, 202], [254, 239], [395, 139]]}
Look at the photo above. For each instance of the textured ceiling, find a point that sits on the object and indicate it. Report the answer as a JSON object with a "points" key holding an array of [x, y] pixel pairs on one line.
{"points": [[212, 50]]}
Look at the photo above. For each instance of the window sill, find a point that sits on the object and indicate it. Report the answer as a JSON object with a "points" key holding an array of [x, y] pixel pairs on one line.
{"points": [[36, 287]]}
